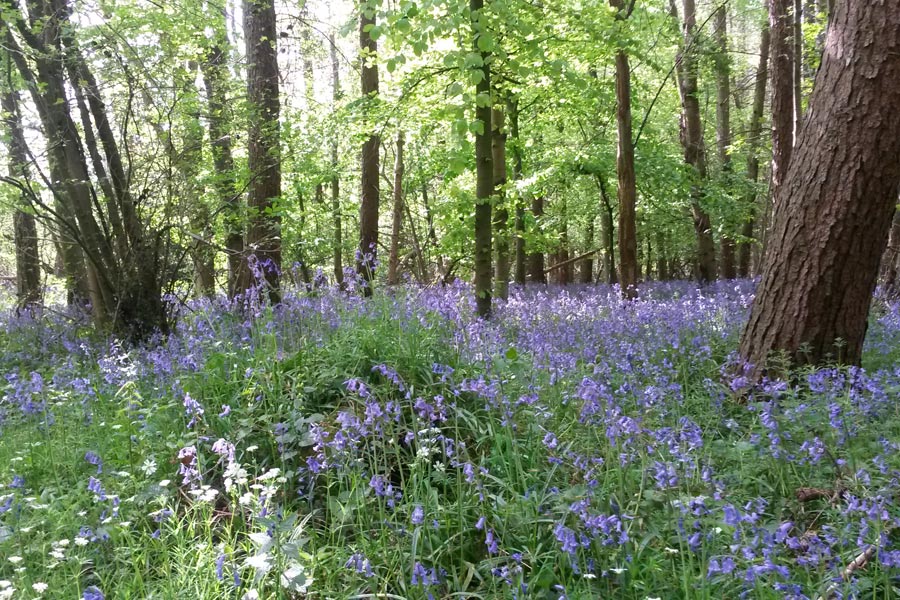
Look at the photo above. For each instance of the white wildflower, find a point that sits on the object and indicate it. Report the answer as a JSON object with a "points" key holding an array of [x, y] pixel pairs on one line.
{"points": [[149, 467]]}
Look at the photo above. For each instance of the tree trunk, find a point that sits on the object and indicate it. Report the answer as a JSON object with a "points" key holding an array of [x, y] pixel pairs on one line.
{"points": [[337, 226], [754, 138], [501, 215], [520, 266], [263, 154], [889, 260], [536, 258], [432, 232], [694, 150], [723, 127], [782, 68], [833, 213], [627, 188], [28, 265], [81, 235], [367, 253], [215, 81], [662, 265], [586, 266], [397, 217], [484, 168], [607, 235], [797, 52]]}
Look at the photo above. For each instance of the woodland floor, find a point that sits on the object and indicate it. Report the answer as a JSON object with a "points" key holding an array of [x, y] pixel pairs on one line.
{"points": [[573, 447]]}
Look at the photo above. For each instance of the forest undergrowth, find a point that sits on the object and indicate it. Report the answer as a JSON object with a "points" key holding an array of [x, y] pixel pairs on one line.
{"points": [[575, 446]]}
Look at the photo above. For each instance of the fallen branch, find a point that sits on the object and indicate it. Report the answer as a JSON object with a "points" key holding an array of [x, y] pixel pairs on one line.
{"points": [[572, 260], [855, 565]]}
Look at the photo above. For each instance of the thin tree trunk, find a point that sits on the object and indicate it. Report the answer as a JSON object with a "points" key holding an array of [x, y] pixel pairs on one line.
{"points": [[627, 188], [798, 67], [79, 231], [692, 139], [215, 76], [607, 234], [586, 266], [432, 232], [782, 67], [662, 265], [337, 226], [397, 217], [754, 139], [367, 253], [512, 107], [28, 265], [484, 169], [501, 215], [723, 127], [833, 212], [536, 258]]}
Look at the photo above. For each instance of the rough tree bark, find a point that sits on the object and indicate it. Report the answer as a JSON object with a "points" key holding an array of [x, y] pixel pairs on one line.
{"points": [[367, 253], [484, 169], [833, 213], [501, 215], [393, 277], [754, 139], [627, 188], [263, 155], [692, 140]]}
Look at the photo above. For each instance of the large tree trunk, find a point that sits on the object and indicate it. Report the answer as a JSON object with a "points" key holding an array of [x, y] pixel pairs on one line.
{"points": [[627, 189], [536, 257], [692, 139], [782, 67], [397, 216], [263, 155], [484, 169], [367, 253], [215, 80], [520, 266], [501, 215], [754, 139], [337, 226], [833, 213], [28, 266]]}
